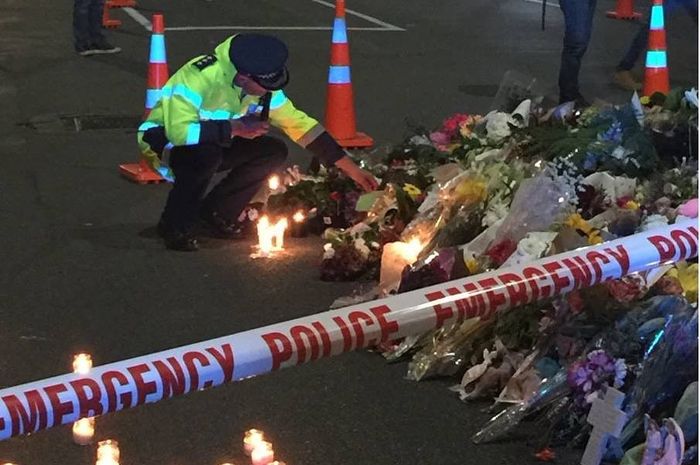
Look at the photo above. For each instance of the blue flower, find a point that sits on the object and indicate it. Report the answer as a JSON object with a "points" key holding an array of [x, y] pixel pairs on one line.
{"points": [[612, 134]]}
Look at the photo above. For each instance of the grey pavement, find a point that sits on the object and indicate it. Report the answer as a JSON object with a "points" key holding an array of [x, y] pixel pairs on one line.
{"points": [[81, 269]]}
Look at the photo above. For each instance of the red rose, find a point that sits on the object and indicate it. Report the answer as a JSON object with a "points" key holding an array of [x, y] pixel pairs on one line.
{"points": [[336, 196]]}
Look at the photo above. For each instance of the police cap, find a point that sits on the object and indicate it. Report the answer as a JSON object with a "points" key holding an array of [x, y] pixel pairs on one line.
{"points": [[262, 57]]}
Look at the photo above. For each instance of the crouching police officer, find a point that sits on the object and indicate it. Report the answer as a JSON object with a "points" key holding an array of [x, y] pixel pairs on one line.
{"points": [[213, 115]]}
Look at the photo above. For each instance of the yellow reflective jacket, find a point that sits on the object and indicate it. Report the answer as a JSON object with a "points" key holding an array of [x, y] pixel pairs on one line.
{"points": [[198, 101]]}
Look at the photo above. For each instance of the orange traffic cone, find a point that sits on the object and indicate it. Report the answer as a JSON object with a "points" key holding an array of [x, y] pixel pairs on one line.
{"points": [[340, 108], [656, 72], [106, 20], [624, 10], [122, 3], [157, 77]]}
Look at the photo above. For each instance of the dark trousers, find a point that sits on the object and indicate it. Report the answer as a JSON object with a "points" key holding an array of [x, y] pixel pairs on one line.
{"points": [[250, 160], [578, 23], [641, 39], [87, 22]]}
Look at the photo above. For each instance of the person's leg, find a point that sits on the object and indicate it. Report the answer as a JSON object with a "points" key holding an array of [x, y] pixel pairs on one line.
{"points": [[81, 24], [251, 162], [578, 21], [193, 167], [97, 37], [636, 48]]}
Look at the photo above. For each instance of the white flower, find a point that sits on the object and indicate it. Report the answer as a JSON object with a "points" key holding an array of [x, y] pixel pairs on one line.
{"points": [[620, 372], [374, 245], [253, 214], [534, 245], [495, 212], [328, 251], [653, 221], [691, 96], [361, 246], [419, 140], [497, 125], [359, 229]]}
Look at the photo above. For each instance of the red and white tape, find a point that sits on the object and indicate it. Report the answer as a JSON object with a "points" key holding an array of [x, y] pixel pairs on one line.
{"points": [[63, 399]]}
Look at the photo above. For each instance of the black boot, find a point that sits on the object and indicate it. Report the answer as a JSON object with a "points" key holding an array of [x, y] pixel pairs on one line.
{"points": [[182, 242], [219, 227]]}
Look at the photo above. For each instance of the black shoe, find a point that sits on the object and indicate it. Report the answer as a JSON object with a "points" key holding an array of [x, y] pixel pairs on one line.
{"points": [[103, 47], [221, 228], [85, 50], [183, 242]]}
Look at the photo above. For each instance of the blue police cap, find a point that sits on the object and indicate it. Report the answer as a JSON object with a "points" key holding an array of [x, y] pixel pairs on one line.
{"points": [[262, 57]]}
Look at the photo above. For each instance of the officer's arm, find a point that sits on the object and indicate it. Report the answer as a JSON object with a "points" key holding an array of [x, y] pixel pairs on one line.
{"points": [[303, 129], [181, 104]]}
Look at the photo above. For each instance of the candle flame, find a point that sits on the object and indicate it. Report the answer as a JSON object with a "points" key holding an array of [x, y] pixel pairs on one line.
{"points": [[271, 236], [273, 182], [82, 363], [107, 452], [299, 216], [414, 247]]}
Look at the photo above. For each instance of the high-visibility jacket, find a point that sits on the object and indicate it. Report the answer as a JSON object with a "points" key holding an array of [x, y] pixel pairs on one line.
{"points": [[199, 100]]}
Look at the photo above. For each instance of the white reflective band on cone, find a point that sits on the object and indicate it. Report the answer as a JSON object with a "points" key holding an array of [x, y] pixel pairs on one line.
{"points": [[150, 378]]}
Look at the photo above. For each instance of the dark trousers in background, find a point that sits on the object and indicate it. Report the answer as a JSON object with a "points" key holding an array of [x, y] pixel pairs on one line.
{"points": [[87, 22], [578, 21], [250, 160], [641, 40]]}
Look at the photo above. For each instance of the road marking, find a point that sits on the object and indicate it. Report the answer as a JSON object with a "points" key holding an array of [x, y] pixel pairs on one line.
{"points": [[385, 27], [539, 2], [371, 19], [138, 17], [275, 28]]}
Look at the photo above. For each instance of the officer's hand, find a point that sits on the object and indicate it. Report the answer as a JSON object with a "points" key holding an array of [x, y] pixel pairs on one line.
{"points": [[364, 179], [249, 127]]}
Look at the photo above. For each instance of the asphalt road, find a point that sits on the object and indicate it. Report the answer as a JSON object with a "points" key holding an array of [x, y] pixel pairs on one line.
{"points": [[80, 268]]}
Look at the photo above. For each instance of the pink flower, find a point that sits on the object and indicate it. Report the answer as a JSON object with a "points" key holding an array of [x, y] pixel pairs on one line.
{"points": [[689, 209]]}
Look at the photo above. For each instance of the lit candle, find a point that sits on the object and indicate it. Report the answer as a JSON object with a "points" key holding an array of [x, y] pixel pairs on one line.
{"points": [[252, 438], [276, 462], [278, 233], [264, 235], [395, 257], [107, 453], [263, 454], [82, 363], [299, 225], [273, 182], [83, 431]]}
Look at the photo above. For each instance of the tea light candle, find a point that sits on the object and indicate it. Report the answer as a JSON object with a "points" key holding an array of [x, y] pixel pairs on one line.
{"points": [[263, 454], [82, 363], [83, 431], [280, 228], [299, 228], [252, 438], [107, 452], [273, 182]]}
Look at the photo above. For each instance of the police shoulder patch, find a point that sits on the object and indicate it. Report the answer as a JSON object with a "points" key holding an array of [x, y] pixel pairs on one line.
{"points": [[204, 62]]}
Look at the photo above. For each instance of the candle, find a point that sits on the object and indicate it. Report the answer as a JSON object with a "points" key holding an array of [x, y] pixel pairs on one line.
{"points": [[395, 257], [263, 454], [278, 233], [299, 228], [83, 431], [107, 453], [264, 235], [82, 363], [273, 182], [252, 438]]}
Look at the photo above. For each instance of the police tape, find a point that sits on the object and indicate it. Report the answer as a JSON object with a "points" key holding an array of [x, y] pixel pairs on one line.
{"points": [[116, 386]]}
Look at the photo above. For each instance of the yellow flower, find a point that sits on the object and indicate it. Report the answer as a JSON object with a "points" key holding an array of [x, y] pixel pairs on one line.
{"points": [[412, 191], [470, 191], [594, 238], [577, 222], [687, 275], [645, 100], [472, 266], [631, 205]]}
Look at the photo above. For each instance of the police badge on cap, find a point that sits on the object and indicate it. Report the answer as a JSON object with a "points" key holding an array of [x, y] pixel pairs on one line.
{"points": [[262, 57]]}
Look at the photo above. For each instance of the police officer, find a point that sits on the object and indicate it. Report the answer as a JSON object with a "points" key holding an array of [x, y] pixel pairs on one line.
{"points": [[213, 115]]}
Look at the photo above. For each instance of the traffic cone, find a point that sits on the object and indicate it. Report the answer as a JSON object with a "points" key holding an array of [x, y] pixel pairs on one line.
{"points": [[340, 108], [108, 22], [122, 3], [158, 75], [656, 71], [624, 10]]}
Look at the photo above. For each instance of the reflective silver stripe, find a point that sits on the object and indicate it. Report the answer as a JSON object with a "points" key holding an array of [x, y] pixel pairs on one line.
{"points": [[278, 99], [311, 135]]}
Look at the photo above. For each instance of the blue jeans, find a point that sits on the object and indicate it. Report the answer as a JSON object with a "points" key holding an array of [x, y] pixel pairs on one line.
{"points": [[578, 23], [641, 39], [87, 22]]}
